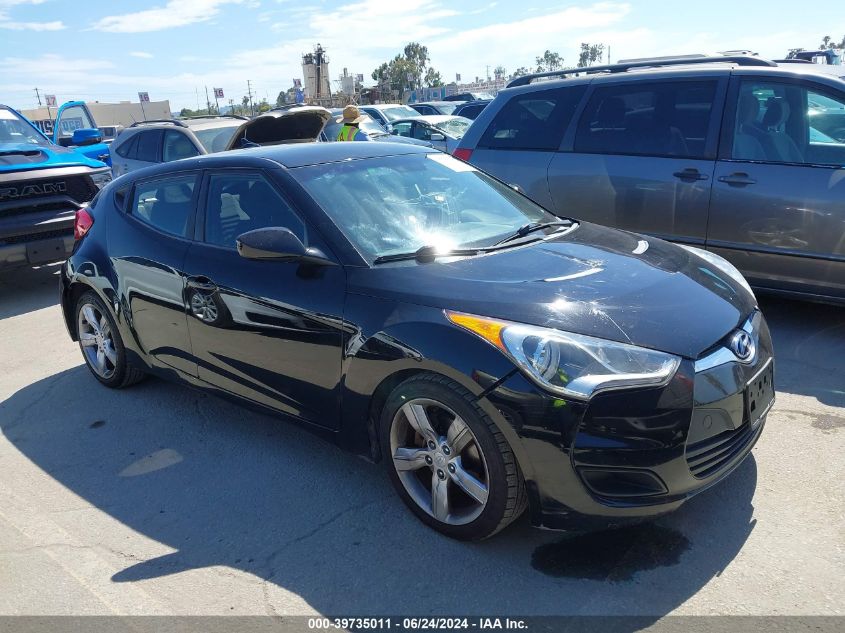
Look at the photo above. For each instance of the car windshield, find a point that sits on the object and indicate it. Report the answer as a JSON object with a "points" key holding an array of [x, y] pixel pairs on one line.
{"points": [[215, 139], [398, 204], [399, 112], [14, 129], [455, 128]]}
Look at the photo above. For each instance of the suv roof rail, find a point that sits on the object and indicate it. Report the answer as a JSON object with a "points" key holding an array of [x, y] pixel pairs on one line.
{"points": [[792, 61], [739, 60], [175, 122]]}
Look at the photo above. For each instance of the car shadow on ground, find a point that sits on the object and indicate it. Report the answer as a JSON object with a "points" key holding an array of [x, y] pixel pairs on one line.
{"points": [[809, 343], [24, 290], [224, 486]]}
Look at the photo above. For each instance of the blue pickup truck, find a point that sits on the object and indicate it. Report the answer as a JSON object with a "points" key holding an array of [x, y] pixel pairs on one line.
{"points": [[42, 185]]}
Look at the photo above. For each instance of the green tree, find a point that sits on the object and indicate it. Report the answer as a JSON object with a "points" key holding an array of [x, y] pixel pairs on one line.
{"points": [[432, 79], [408, 70], [519, 72], [828, 42], [263, 106], [549, 61], [590, 54], [793, 53]]}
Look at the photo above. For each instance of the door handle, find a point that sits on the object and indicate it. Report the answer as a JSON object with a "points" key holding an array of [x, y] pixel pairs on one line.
{"points": [[201, 283], [690, 174], [739, 178]]}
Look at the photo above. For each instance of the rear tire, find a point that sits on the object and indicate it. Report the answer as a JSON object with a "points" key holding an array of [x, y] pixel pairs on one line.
{"points": [[101, 344], [448, 461]]}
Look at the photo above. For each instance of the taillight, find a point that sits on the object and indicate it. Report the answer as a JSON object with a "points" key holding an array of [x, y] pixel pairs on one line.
{"points": [[82, 224], [463, 153]]}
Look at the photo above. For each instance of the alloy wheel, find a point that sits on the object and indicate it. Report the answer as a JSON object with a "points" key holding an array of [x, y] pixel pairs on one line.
{"points": [[203, 307], [97, 340], [439, 461]]}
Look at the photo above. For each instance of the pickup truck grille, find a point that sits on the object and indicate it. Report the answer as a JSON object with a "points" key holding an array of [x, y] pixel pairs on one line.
{"points": [[18, 197]]}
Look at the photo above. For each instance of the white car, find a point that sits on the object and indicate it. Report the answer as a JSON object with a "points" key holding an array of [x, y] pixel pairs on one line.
{"points": [[441, 131]]}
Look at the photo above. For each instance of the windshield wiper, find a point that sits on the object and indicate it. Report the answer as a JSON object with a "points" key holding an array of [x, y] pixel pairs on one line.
{"points": [[531, 227], [426, 254]]}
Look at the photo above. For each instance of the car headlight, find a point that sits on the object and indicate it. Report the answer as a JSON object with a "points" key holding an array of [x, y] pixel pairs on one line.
{"points": [[722, 264], [101, 178], [572, 365]]}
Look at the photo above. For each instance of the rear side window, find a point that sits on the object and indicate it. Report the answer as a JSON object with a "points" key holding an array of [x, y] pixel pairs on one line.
{"points": [[129, 147], [148, 144], [533, 121], [656, 119], [165, 203]]}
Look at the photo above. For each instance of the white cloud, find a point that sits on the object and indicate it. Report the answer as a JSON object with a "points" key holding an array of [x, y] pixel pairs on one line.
{"points": [[174, 14], [6, 21], [141, 54]]}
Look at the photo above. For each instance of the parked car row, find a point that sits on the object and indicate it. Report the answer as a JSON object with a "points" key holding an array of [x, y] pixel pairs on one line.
{"points": [[492, 354], [480, 334]]}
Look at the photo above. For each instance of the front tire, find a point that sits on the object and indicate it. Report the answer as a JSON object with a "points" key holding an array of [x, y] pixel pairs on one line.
{"points": [[448, 461], [101, 345]]}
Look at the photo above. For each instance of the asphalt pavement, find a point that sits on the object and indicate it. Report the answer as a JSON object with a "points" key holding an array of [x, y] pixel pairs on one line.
{"points": [[161, 500]]}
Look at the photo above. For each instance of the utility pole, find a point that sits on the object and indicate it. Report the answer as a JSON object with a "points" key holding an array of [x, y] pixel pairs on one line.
{"points": [[38, 96], [232, 106], [249, 92], [207, 102]]}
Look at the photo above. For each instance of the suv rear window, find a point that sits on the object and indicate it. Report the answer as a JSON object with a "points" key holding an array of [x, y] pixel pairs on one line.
{"points": [[656, 119], [128, 148], [533, 121]]}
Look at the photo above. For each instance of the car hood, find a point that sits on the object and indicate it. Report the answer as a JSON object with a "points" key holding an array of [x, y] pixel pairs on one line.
{"points": [[299, 125], [23, 156], [592, 280]]}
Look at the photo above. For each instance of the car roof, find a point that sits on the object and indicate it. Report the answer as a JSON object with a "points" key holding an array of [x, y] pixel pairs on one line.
{"points": [[437, 103], [289, 156], [685, 67]]}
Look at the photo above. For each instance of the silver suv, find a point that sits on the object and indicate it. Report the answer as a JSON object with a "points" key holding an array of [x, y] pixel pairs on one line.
{"points": [[739, 155], [149, 142]]}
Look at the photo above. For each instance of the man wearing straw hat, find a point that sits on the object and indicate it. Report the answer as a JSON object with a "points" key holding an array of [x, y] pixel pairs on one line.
{"points": [[351, 118]]}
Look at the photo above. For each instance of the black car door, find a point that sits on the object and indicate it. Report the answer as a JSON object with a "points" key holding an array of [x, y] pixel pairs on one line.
{"points": [[269, 331], [147, 246]]}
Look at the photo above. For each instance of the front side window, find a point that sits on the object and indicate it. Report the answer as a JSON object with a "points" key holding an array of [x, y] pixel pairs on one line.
{"points": [[243, 202], [399, 204], [422, 132], [166, 203], [74, 118], [533, 121], [177, 145], [789, 123], [402, 129], [648, 119]]}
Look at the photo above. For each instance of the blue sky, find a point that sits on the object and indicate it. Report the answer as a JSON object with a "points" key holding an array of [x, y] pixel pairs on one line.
{"points": [[110, 50]]}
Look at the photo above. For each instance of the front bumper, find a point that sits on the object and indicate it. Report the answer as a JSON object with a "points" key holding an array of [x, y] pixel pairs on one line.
{"points": [[627, 455]]}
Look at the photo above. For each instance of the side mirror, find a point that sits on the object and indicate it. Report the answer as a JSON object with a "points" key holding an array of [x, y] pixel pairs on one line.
{"points": [[86, 136], [436, 136], [276, 243]]}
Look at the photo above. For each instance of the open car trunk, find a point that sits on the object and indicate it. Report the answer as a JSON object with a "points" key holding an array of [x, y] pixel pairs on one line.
{"points": [[298, 125]]}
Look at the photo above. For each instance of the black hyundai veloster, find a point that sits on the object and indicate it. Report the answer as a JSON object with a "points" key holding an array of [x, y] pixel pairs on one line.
{"points": [[415, 310]]}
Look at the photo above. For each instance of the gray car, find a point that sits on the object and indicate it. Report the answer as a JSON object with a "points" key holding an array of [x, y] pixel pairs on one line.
{"points": [[739, 155], [150, 142]]}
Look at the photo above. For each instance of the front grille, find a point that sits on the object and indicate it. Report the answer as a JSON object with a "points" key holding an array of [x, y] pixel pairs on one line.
{"points": [[33, 237], [708, 456], [78, 188]]}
